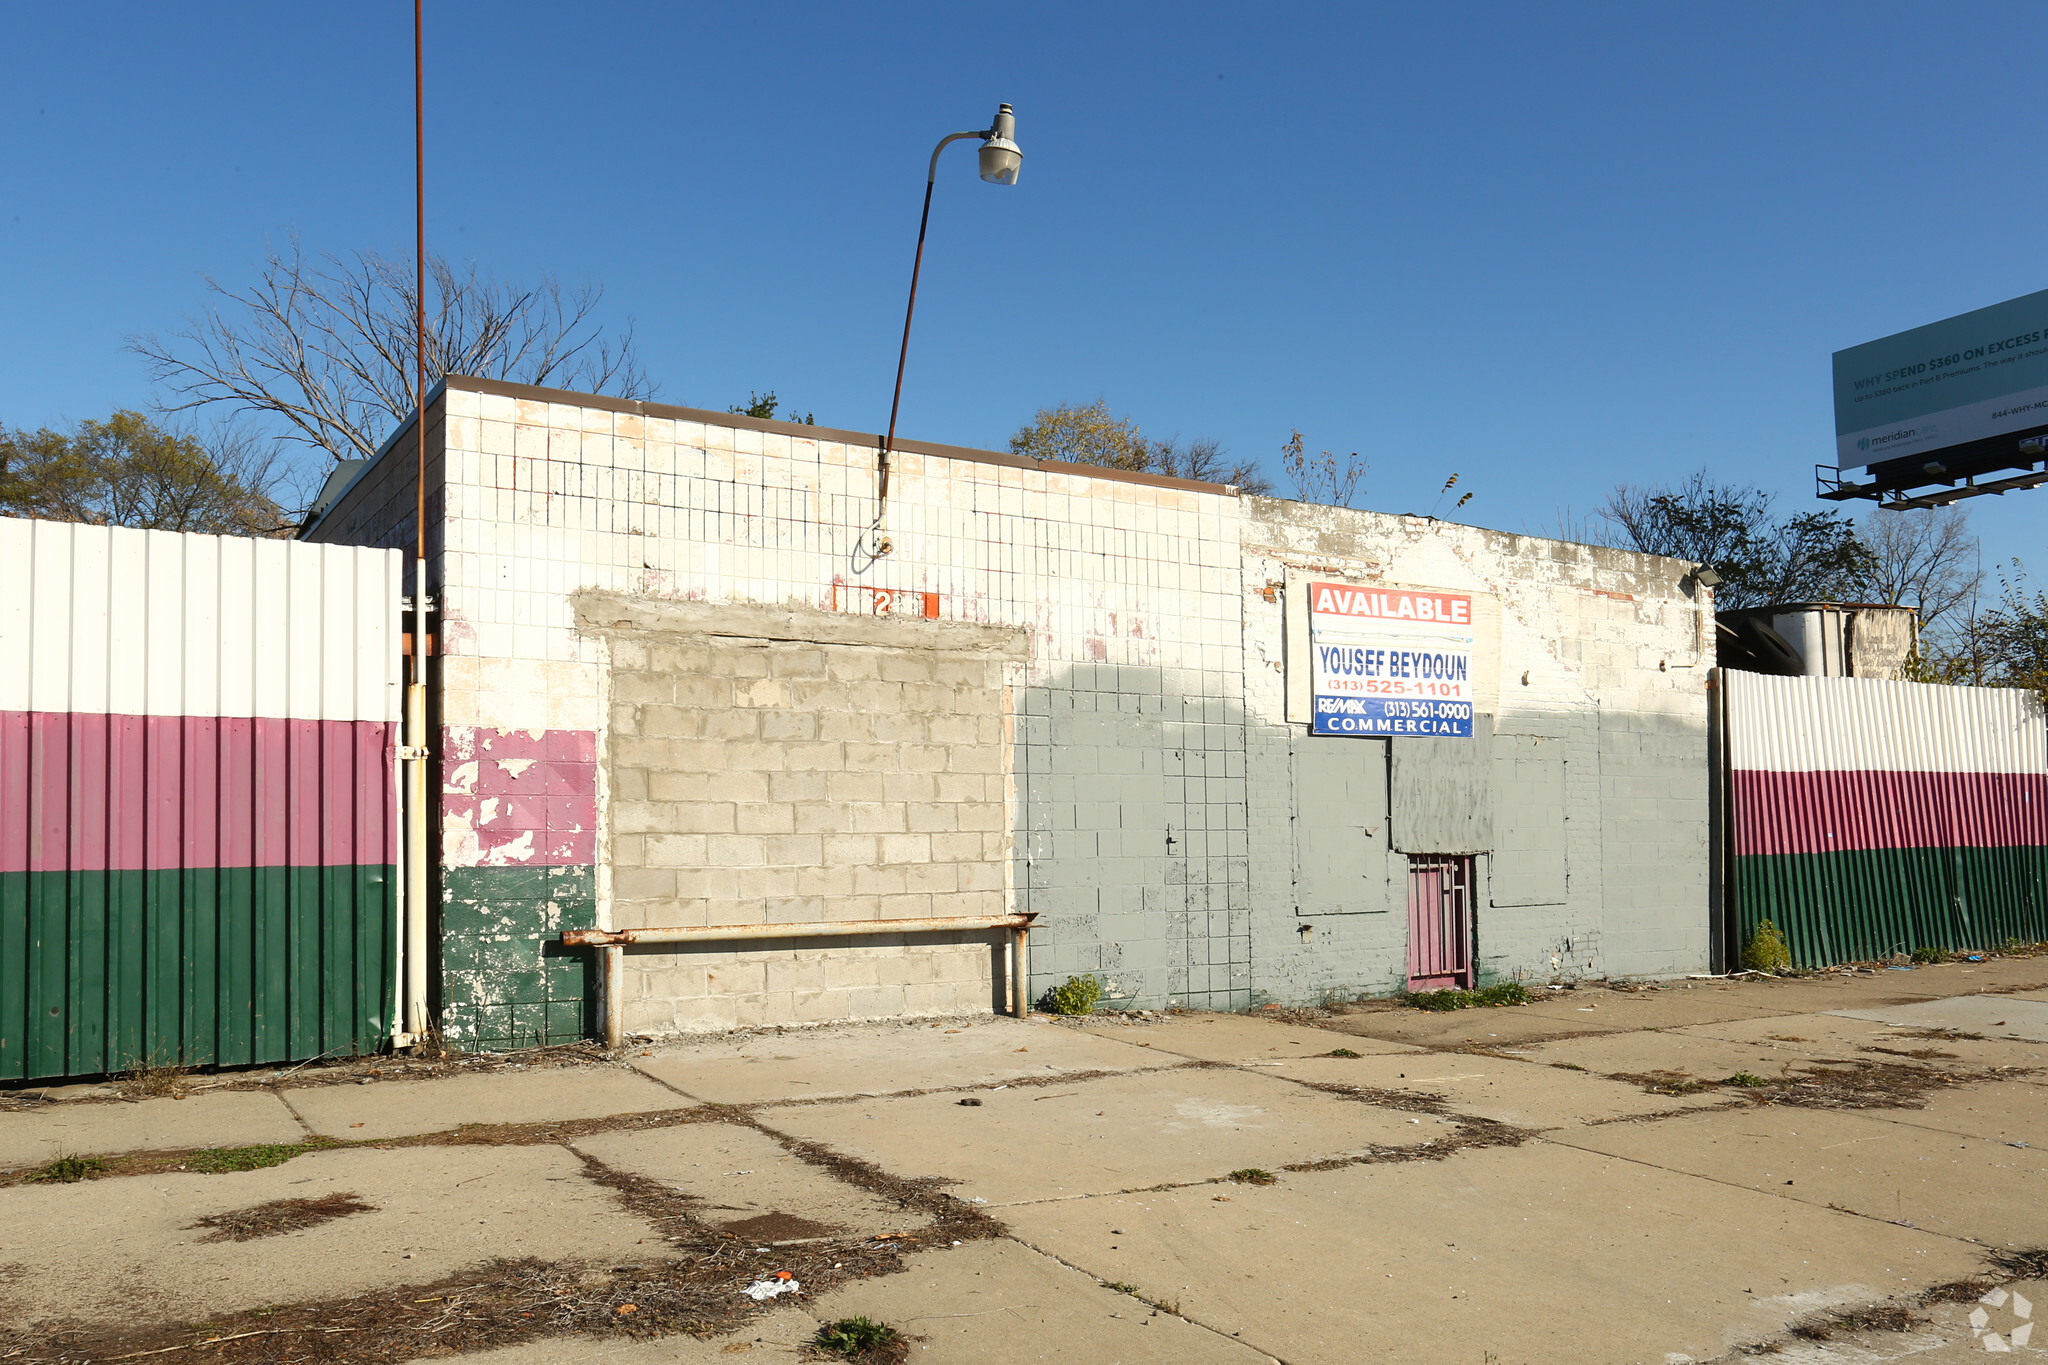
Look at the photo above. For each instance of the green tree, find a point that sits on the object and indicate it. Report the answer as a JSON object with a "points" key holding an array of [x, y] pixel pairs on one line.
{"points": [[1089, 433], [763, 405], [1084, 433], [129, 471], [1763, 559]]}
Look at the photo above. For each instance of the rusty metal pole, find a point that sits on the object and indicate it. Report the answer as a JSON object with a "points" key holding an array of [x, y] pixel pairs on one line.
{"points": [[903, 355], [997, 135]]}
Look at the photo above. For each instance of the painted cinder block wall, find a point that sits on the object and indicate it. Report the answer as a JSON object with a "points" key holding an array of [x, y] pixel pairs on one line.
{"points": [[1149, 792], [1593, 671]]}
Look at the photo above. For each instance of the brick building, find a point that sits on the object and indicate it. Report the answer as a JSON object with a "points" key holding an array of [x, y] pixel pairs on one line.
{"points": [[676, 686]]}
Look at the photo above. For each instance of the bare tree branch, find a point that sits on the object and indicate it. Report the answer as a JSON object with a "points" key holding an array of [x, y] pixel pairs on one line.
{"points": [[1322, 477], [325, 348], [1922, 558]]}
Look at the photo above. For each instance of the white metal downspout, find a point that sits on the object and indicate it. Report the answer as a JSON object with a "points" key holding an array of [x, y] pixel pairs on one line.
{"points": [[416, 819], [401, 903]]}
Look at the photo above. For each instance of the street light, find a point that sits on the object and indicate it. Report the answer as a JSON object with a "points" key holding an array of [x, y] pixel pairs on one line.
{"points": [[1000, 160]]}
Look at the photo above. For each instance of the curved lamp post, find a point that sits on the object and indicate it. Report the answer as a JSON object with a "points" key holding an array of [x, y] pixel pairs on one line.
{"points": [[1000, 160]]}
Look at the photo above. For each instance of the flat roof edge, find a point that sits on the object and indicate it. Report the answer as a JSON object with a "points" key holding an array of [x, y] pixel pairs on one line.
{"points": [[533, 393]]}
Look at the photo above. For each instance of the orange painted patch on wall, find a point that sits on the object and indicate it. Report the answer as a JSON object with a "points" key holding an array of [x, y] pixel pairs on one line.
{"points": [[862, 600]]}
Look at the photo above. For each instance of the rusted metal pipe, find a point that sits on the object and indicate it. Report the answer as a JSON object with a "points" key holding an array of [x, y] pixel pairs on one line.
{"points": [[721, 933], [614, 941]]}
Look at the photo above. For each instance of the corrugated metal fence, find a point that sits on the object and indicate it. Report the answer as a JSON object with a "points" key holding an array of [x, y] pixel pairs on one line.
{"points": [[1873, 817], [197, 822]]}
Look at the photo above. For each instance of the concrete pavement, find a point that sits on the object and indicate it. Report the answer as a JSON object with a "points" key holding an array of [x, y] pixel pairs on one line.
{"points": [[1569, 1181]]}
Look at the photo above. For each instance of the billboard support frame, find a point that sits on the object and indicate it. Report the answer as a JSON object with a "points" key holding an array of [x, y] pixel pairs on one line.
{"points": [[1829, 485]]}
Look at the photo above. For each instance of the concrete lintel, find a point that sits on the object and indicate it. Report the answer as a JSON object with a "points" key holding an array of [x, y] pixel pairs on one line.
{"points": [[607, 613]]}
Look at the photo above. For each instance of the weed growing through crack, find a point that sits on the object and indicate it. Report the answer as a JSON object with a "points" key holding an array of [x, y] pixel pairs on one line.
{"points": [[1664, 1082], [1500, 993], [1926, 955], [222, 1160], [1748, 1080], [69, 1169], [1077, 995], [1252, 1175], [1766, 950], [151, 1078], [861, 1339], [1342, 1052], [1120, 1286]]}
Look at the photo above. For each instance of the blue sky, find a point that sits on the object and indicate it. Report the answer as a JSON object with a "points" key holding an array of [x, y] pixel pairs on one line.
{"points": [[1547, 247]]}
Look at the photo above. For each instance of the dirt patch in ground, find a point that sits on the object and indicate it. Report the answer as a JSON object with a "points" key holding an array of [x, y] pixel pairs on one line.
{"points": [[213, 1161], [1466, 1134], [1408, 1101], [1828, 1085], [1469, 1134], [1884, 1317], [777, 1228], [279, 1216], [501, 1303], [1664, 1082]]}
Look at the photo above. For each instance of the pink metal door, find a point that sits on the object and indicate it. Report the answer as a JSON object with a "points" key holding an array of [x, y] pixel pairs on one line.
{"points": [[1439, 922]]}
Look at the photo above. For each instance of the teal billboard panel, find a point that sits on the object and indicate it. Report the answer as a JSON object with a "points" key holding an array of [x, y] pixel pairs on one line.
{"points": [[1968, 378]]}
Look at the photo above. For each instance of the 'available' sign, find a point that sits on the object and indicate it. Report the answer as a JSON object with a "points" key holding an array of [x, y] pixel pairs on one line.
{"points": [[1390, 661]]}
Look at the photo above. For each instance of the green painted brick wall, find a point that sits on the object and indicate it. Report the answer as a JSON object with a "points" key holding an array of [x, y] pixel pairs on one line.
{"points": [[506, 980]]}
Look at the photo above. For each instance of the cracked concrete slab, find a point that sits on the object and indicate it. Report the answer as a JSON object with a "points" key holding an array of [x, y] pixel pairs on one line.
{"points": [[838, 1062], [742, 1181], [1096, 1136], [999, 1303], [1998, 1111], [1672, 1005], [1994, 1016], [403, 1108], [1525, 1094], [126, 1248], [1502, 1027], [1863, 1161], [775, 1334], [1234, 1037], [1536, 1254], [236, 1118], [1839, 1036], [1948, 1335], [1690, 1052]]}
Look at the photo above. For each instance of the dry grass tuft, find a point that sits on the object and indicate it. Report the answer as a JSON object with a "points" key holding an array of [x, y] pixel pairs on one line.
{"points": [[279, 1216]]}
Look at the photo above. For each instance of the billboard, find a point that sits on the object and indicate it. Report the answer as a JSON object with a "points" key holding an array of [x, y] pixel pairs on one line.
{"points": [[1389, 661], [1980, 376]]}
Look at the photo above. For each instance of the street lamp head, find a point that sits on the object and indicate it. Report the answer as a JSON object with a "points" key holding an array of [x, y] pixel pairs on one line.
{"points": [[1000, 155]]}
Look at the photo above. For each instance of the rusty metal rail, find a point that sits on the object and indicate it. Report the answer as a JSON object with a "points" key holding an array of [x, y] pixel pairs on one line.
{"points": [[615, 941]]}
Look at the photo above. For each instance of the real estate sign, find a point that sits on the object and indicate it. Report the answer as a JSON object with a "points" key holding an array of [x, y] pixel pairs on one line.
{"points": [[1390, 661], [1974, 376]]}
